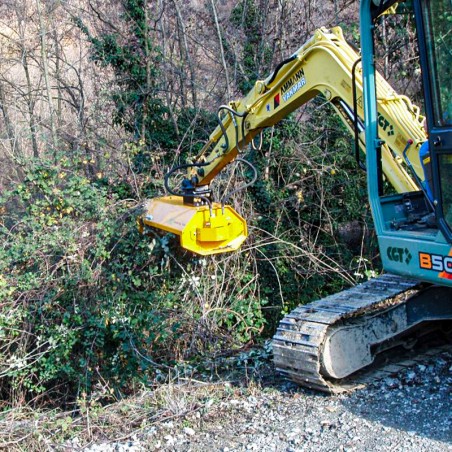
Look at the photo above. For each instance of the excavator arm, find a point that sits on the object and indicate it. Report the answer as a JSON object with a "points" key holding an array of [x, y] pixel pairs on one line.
{"points": [[325, 65]]}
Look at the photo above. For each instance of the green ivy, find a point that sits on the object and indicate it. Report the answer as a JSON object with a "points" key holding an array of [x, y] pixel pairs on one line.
{"points": [[256, 54], [135, 61]]}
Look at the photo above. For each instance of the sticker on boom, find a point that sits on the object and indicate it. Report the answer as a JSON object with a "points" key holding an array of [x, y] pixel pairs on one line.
{"points": [[385, 125], [293, 85], [435, 262]]}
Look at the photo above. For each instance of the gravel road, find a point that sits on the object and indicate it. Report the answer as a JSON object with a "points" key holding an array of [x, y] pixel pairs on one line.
{"points": [[409, 411]]}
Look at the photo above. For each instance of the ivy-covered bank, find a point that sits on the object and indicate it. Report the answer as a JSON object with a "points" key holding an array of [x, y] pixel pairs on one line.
{"points": [[85, 298]]}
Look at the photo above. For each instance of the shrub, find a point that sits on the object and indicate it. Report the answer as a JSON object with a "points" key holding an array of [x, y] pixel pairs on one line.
{"points": [[86, 298]]}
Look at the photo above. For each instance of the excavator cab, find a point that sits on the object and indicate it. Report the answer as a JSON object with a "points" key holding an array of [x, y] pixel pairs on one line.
{"points": [[409, 247]]}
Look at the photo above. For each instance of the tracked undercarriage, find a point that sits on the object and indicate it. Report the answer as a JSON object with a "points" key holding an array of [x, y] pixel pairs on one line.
{"points": [[322, 344]]}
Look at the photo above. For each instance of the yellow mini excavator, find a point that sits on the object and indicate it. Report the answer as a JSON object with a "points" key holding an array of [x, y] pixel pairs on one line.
{"points": [[320, 344]]}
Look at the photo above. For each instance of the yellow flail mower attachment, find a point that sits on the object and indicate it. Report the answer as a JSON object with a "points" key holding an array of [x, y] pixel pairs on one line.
{"points": [[205, 230]]}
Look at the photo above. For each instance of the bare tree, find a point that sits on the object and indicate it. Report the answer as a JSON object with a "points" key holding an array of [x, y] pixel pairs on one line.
{"points": [[44, 52], [220, 41]]}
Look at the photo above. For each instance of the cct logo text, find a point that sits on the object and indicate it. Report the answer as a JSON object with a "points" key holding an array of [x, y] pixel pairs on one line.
{"points": [[401, 255], [435, 262]]}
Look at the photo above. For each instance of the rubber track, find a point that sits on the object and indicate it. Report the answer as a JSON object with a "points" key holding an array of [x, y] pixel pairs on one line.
{"points": [[298, 343]]}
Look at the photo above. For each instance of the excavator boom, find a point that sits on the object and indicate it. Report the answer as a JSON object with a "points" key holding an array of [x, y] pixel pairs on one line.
{"points": [[325, 65]]}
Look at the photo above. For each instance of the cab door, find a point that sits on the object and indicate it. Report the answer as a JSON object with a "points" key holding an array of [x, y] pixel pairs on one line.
{"points": [[434, 20]]}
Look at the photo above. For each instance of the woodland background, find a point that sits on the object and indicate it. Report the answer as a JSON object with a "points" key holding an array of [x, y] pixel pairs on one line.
{"points": [[98, 100]]}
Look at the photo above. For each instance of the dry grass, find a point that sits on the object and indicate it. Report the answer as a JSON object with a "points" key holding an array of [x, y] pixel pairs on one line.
{"points": [[102, 418], [26, 429]]}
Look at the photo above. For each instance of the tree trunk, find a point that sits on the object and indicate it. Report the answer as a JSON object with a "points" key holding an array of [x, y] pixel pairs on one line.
{"points": [[165, 73], [13, 141], [30, 105], [45, 65], [220, 39], [185, 52]]}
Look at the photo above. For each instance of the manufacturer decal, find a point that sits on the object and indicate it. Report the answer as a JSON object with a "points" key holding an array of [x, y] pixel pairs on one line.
{"points": [[435, 262], [385, 125], [401, 255], [293, 85], [276, 101]]}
